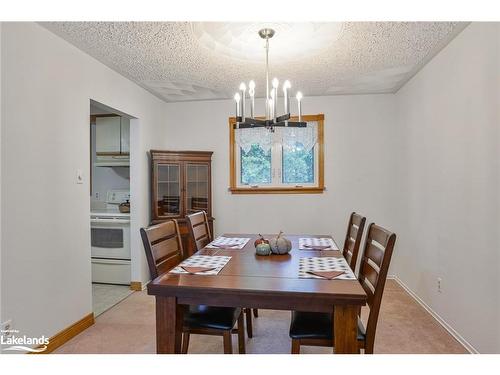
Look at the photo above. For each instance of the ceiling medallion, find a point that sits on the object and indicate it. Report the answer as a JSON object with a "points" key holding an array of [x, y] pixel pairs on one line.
{"points": [[272, 119]]}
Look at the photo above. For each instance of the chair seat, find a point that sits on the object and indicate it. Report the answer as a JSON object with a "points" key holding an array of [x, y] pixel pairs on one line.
{"points": [[201, 316], [312, 325]]}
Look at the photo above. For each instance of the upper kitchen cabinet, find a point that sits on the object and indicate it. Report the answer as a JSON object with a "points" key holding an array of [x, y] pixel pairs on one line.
{"points": [[112, 135], [125, 136]]}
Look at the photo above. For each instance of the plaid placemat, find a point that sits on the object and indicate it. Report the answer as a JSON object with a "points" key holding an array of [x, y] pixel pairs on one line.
{"points": [[236, 243], [324, 264], [310, 242], [216, 261]]}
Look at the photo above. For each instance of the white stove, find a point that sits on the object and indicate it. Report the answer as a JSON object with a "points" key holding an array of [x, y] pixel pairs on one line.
{"points": [[110, 238], [111, 208]]}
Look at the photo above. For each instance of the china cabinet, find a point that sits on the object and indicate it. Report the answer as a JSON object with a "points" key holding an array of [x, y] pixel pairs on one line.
{"points": [[180, 185]]}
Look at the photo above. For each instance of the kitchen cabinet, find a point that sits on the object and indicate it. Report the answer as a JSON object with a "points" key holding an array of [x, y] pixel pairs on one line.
{"points": [[125, 136], [112, 135], [180, 185]]}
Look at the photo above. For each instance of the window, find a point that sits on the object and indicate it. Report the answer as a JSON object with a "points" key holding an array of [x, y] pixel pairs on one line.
{"points": [[255, 166], [280, 169]]}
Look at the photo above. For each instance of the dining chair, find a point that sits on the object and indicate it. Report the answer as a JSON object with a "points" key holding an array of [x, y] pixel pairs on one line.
{"points": [[316, 329], [163, 246], [353, 239], [201, 236], [199, 229]]}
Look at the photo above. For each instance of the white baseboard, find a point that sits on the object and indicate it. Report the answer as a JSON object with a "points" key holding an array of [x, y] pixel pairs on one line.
{"points": [[436, 316]]}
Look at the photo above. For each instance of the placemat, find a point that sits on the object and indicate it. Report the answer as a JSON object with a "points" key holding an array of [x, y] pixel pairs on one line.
{"points": [[307, 243], [324, 264], [228, 243], [216, 261]]}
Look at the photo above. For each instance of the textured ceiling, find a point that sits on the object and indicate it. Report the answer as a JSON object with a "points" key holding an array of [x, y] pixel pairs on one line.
{"points": [[179, 61]]}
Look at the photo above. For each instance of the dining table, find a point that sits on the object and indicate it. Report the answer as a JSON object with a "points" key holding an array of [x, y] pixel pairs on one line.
{"points": [[249, 280]]}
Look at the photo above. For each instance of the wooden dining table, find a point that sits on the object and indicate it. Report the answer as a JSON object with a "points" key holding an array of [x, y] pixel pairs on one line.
{"points": [[263, 282]]}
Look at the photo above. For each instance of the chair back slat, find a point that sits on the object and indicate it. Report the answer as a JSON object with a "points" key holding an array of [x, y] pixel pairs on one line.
{"points": [[377, 254], [374, 254], [163, 247], [197, 218], [353, 231], [199, 229], [381, 236], [353, 239]]}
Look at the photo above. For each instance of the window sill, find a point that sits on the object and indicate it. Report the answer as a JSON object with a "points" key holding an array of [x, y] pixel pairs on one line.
{"points": [[277, 190]]}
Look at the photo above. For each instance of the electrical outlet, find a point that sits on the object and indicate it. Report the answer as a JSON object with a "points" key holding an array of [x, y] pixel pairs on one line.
{"points": [[440, 285], [97, 195]]}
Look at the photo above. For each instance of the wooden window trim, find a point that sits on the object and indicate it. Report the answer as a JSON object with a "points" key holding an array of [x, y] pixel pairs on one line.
{"points": [[234, 189]]}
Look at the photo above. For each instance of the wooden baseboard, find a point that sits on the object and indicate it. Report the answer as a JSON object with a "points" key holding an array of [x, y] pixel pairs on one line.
{"points": [[68, 333], [136, 285]]}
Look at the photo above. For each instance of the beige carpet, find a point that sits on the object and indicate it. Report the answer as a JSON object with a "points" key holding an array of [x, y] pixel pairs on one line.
{"points": [[129, 327]]}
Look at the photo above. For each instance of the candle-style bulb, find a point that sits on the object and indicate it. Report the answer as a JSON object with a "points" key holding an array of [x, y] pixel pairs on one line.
{"points": [[243, 89], [299, 104], [275, 83], [272, 105], [251, 88], [286, 97], [237, 99]]}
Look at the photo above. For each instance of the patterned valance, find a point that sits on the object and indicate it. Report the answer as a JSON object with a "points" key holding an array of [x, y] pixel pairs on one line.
{"points": [[288, 137]]}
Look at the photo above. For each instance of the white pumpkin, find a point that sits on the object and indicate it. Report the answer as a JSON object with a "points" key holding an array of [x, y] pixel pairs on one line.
{"points": [[280, 244]]}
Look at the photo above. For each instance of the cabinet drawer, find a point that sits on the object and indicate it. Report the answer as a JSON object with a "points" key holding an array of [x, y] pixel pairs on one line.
{"points": [[111, 271]]}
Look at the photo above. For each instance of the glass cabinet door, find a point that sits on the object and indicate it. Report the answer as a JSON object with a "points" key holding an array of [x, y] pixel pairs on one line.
{"points": [[197, 188], [168, 191]]}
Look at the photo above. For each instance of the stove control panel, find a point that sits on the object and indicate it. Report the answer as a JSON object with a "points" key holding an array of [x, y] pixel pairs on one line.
{"points": [[117, 196]]}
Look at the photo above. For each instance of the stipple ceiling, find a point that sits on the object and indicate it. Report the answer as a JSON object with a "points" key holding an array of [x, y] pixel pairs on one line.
{"points": [[181, 61]]}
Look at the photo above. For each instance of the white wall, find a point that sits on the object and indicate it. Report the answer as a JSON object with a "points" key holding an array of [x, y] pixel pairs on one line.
{"points": [[106, 178], [449, 115], [360, 166], [46, 87]]}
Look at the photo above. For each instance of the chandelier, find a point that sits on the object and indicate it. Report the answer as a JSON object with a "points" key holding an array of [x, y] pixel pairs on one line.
{"points": [[271, 119]]}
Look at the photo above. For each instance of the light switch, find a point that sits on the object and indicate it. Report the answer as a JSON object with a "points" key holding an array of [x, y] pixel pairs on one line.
{"points": [[79, 176]]}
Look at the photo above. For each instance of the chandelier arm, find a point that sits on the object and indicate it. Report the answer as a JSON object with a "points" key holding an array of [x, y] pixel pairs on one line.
{"points": [[269, 124]]}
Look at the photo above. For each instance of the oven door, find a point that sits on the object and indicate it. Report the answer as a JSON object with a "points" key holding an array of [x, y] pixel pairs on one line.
{"points": [[110, 238]]}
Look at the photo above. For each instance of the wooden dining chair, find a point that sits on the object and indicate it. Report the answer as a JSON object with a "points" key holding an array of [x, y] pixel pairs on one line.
{"points": [[353, 239], [163, 246], [316, 329], [201, 236], [199, 229]]}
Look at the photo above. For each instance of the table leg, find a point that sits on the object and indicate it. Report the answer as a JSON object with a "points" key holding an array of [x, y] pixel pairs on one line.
{"points": [[345, 329], [169, 317]]}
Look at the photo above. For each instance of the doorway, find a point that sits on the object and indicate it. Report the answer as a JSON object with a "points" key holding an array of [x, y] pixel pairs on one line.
{"points": [[109, 206]]}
